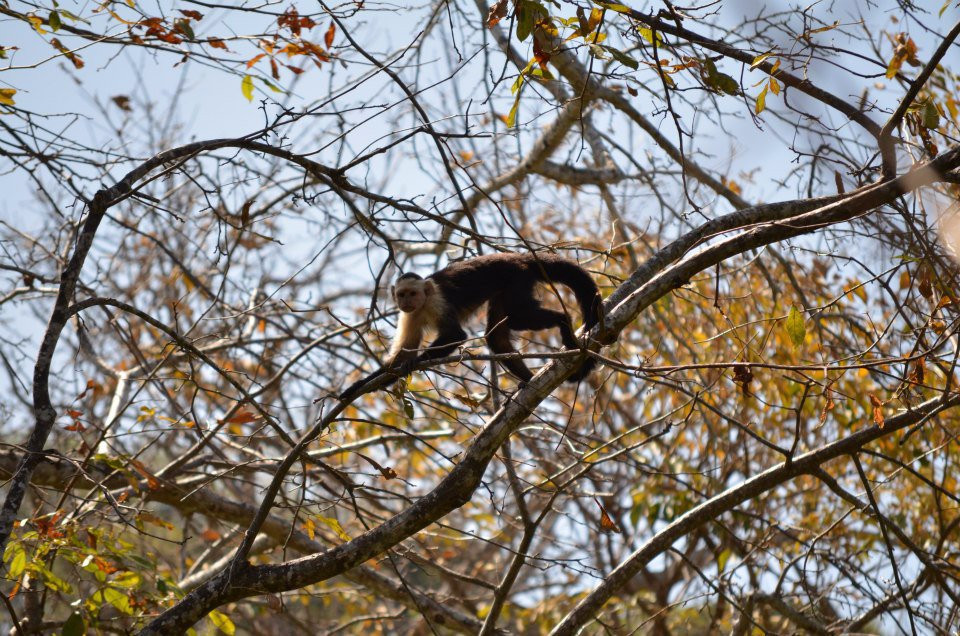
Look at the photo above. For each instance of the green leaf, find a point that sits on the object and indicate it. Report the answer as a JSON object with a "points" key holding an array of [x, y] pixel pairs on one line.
{"points": [[116, 598], [50, 579], [543, 73], [528, 14], [635, 511], [796, 328], [622, 57], [246, 87], [931, 116], [408, 408], [719, 81], [184, 26], [724, 83], [54, 21], [70, 16], [223, 622], [17, 559], [271, 86], [74, 626]]}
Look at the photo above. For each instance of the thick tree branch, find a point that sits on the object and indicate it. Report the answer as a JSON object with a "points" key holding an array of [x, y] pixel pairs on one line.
{"points": [[456, 489], [731, 498]]}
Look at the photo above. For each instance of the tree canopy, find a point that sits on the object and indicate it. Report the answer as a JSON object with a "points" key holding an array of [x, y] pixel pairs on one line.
{"points": [[206, 205]]}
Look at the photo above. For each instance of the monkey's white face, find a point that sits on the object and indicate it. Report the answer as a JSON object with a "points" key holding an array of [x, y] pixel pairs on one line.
{"points": [[410, 295]]}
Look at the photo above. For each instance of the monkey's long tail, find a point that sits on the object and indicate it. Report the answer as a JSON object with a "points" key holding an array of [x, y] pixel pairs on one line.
{"points": [[588, 297]]}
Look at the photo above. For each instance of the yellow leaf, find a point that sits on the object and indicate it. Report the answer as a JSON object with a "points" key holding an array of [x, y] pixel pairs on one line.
{"points": [[761, 100], [594, 19], [759, 60], [904, 279], [126, 580], [246, 87], [835, 24], [613, 6], [155, 520], [6, 96], [795, 327], [511, 119], [119, 19], [115, 597], [37, 23], [223, 622], [16, 556], [334, 525]]}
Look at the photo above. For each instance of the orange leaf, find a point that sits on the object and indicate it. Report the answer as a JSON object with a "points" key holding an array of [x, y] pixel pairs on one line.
{"points": [[877, 410], [155, 520], [210, 535], [497, 12], [217, 43], [328, 36], [829, 406], [152, 482], [169, 38], [607, 524], [105, 566], [242, 417]]}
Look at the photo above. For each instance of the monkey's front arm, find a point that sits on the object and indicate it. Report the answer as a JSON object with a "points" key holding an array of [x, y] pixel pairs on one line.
{"points": [[451, 334]]}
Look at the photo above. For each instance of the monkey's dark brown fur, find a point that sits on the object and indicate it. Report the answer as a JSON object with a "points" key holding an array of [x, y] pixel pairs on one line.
{"points": [[505, 282]]}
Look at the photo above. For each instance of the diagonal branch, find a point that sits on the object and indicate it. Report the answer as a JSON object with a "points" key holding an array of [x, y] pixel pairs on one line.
{"points": [[644, 288], [731, 498]]}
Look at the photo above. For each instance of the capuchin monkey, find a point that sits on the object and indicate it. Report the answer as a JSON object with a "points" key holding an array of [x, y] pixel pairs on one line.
{"points": [[505, 282]]}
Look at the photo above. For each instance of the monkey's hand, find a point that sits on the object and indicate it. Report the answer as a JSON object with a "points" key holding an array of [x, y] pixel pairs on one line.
{"points": [[385, 375], [354, 389], [405, 368]]}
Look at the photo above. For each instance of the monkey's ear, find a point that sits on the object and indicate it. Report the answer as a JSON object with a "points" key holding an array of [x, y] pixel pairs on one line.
{"points": [[429, 287]]}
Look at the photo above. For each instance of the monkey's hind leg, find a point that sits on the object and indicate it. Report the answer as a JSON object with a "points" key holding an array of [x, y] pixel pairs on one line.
{"points": [[498, 339], [535, 317]]}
